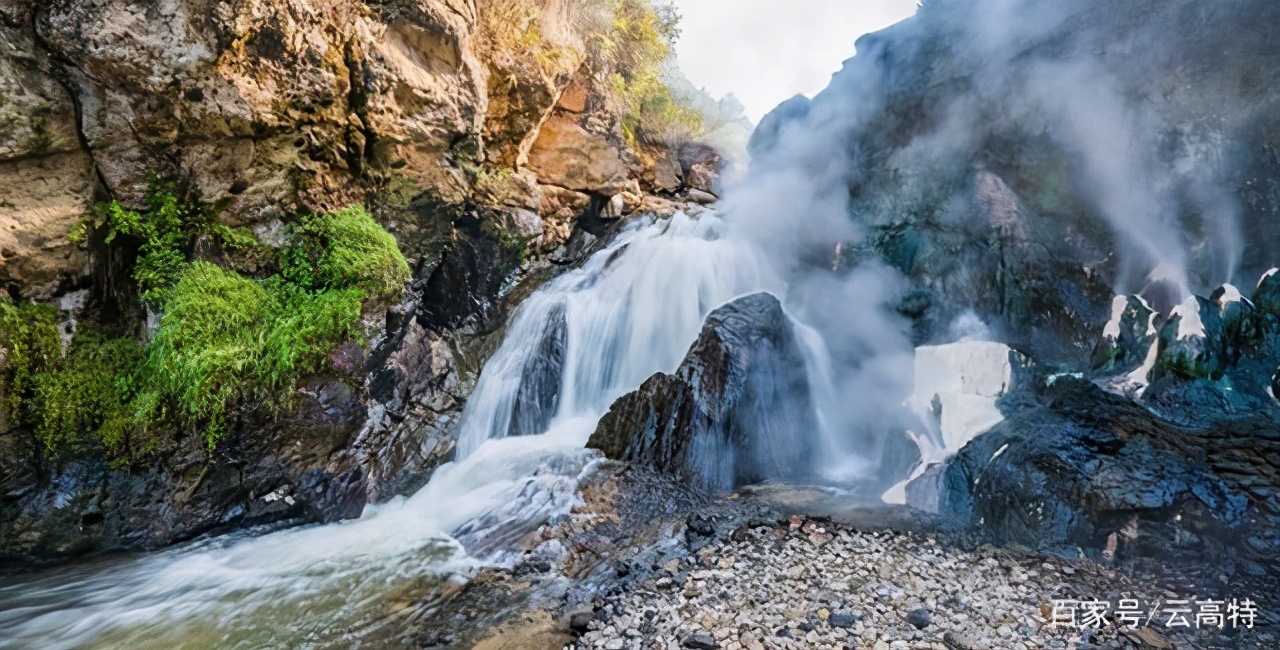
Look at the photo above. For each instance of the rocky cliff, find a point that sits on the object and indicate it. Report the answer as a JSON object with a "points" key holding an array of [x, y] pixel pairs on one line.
{"points": [[272, 107], [482, 135], [1085, 182], [1030, 160]]}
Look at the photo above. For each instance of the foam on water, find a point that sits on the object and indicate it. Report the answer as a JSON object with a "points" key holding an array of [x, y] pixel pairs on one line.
{"points": [[630, 311]]}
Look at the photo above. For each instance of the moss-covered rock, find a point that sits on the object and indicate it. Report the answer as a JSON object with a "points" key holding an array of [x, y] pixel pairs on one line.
{"points": [[346, 249]]}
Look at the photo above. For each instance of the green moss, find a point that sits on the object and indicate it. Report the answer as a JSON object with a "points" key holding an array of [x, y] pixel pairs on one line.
{"points": [[225, 341], [345, 249], [73, 402], [166, 230], [226, 344], [29, 343], [239, 241], [85, 399]]}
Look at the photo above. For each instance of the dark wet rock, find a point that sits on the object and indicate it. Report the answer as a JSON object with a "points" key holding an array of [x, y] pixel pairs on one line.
{"points": [[1219, 362], [925, 491], [985, 206], [1266, 296], [580, 621], [699, 641], [701, 525], [736, 411], [1190, 351], [1089, 466], [281, 472], [844, 619], [1125, 348], [362, 437], [465, 287], [539, 393], [962, 641], [895, 456], [988, 250], [918, 618]]}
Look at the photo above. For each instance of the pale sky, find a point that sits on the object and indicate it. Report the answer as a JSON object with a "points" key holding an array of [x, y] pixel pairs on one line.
{"points": [[764, 51]]}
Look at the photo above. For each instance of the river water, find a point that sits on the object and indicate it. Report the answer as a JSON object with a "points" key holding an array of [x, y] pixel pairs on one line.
{"points": [[631, 310]]}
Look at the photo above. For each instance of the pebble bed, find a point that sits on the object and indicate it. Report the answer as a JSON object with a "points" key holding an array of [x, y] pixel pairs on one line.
{"points": [[813, 584]]}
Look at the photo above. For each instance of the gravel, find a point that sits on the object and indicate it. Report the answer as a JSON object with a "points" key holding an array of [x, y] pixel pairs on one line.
{"points": [[807, 583]]}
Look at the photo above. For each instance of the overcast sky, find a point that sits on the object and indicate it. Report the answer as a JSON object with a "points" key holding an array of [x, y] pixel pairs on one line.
{"points": [[764, 51]]}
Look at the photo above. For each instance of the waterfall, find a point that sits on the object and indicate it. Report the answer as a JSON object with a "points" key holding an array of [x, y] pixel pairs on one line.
{"points": [[631, 310]]}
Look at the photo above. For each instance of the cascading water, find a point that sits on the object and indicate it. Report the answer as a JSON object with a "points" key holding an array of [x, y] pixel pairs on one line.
{"points": [[631, 310]]}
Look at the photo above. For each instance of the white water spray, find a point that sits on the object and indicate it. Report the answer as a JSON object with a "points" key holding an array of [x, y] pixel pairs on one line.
{"points": [[630, 311]]}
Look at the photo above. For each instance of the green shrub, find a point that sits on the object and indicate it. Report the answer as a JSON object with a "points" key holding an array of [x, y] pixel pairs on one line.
{"points": [[85, 398], [636, 51], [225, 341], [166, 230], [70, 402], [345, 249], [29, 343]]}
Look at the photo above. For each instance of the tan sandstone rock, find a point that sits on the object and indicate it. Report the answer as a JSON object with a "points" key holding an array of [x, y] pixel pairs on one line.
{"points": [[567, 155], [45, 176]]}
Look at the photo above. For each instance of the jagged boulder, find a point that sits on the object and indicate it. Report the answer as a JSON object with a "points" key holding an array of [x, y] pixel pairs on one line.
{"points": [[700, 167], [539, 394], [737, 410], [1192, 341], [464, 287], [1127, 337], [1266, 296], [1090, 469], [571, 157]]}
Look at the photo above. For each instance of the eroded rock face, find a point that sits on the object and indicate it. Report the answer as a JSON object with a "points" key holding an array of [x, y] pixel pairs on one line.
{"points": [[1090, 466], [283, 472], [47, 178], [287, 97], [737, 410], [376, 431], [569, 156], [411, 107], [971, 176], [269, 108], [1176, 460]]}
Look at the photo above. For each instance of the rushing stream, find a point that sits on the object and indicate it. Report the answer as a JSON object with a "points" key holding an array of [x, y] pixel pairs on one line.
{"points": [[631, 310]]}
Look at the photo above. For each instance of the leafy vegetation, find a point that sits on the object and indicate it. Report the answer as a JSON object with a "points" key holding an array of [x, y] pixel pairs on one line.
{"points": [[510, 32], [166, 230], [225, 343], [225, 340], [628, 45], [64, 400], [346, 249], [29, 342], [89, 392], [637, 49]]}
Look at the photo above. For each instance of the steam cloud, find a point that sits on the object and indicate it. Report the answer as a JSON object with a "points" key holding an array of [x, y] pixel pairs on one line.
{"points": [[1107, 96]]}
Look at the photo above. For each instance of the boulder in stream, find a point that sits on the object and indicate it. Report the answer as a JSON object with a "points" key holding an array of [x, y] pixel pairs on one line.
{"points": [[737, 410]]}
